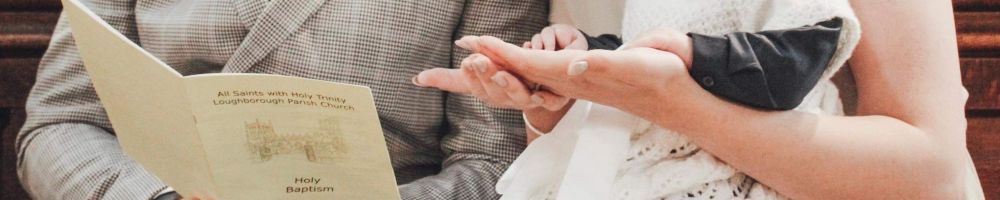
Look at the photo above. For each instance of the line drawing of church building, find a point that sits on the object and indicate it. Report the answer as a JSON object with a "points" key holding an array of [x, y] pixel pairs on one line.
{"points": [[319, 145]]}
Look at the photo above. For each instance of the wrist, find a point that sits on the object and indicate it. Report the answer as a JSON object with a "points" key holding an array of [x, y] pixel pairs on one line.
{"points": [[687, 102], [544, 120], [687, 54], [683, 47]]}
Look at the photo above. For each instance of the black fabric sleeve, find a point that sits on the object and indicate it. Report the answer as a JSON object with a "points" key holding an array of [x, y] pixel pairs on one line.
{"points": [[605, 41], [768, 69]]}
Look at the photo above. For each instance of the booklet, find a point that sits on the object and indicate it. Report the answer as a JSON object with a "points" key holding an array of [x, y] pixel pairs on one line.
{"points": [[235, 136]]}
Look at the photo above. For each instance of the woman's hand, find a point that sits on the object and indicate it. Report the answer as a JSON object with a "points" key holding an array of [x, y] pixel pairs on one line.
{"points": [[615, 78]]}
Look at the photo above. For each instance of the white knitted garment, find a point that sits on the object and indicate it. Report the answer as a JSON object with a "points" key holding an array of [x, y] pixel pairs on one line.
{"points": [[660, 163], [663, 163]]}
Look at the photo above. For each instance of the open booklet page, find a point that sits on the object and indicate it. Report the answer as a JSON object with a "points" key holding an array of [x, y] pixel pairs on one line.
{"points": [[235, 136], [291, 137]]}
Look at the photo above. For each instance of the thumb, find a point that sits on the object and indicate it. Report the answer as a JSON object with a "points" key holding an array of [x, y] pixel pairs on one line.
{"points": [[451, 80], [580, 44]]}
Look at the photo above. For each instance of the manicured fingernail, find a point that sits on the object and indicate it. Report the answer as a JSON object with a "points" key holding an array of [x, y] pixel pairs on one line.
{"points": [[537, 99], [461, 43], [499, 80], [481, 65], [577, 68], [416, 82]]}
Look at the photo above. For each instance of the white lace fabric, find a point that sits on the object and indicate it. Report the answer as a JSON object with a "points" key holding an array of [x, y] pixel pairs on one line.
{"points": [[598, 152]]}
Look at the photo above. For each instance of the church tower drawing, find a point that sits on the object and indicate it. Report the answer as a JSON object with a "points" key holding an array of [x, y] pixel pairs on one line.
{"points": [[320, 144]]}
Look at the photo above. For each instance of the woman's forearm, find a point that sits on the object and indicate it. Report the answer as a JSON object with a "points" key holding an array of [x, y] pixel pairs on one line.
{"points": [[810, 156], [909, 143]]}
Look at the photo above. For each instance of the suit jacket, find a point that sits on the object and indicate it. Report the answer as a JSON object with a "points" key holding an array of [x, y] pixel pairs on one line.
{"points": [[443, 146]]}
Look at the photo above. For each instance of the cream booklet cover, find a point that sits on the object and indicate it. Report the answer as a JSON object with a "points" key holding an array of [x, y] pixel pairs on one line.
{"points": [[235, 136]]}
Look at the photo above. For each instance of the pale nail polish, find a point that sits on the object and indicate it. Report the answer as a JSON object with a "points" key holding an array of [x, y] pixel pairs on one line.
{"points": [[481, 65], [462, 44], [537, 99], [577, 68], [416, 82], [499, 80]]}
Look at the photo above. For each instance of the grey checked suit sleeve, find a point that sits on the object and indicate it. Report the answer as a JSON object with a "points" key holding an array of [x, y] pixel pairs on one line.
{"points": [[482, 141], [66, 149]]}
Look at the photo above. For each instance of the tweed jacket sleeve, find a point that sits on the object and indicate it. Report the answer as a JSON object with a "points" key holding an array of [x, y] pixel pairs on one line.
{"points": [[482, 141], [66, 149]]}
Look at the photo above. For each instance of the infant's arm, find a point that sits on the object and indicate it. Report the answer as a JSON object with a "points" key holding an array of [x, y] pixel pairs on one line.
{"points": [[768, 69]]}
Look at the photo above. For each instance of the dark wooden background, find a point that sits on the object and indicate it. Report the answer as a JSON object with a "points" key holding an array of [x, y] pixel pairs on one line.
{"points": [[25, 26]]}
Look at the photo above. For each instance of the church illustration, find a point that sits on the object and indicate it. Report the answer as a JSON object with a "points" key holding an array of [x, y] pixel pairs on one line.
{"points": [[319, 145]]}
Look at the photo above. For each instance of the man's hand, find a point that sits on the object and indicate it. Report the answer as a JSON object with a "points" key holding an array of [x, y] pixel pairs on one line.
{"points": [[480, 77]]}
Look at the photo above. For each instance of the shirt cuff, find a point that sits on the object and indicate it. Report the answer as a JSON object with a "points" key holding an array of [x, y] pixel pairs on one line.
{"points": [[573, 119], [709, 59], [167, 193], [605, 41]]}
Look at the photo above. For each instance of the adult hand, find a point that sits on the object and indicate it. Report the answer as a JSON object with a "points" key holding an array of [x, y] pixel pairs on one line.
{"points": [[480, 77], [625, 79]]}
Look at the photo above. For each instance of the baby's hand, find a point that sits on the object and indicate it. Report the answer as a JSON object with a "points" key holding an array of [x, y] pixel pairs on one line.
{"points": [[482, 78], [557, 37], [665, 39]]}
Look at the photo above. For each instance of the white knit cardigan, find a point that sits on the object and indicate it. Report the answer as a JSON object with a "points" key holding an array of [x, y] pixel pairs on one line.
{"points": [[599, 152]]}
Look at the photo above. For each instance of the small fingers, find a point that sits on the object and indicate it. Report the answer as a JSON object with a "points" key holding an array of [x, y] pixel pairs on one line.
{"points": [[580, 43], [565, 36], [549, 39], [536, 42]]}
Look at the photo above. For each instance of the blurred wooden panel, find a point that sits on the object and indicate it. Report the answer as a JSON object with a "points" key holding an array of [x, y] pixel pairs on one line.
{"points": [[977, 22], [30, 5], [978, 31], [16, 75], [981, 76], [976, 5], [26, 30], [10, 123], [983, 138], [25, 26]]}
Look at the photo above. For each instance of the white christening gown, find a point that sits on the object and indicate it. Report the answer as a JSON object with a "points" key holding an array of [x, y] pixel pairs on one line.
{"points": [[599, 152]]}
